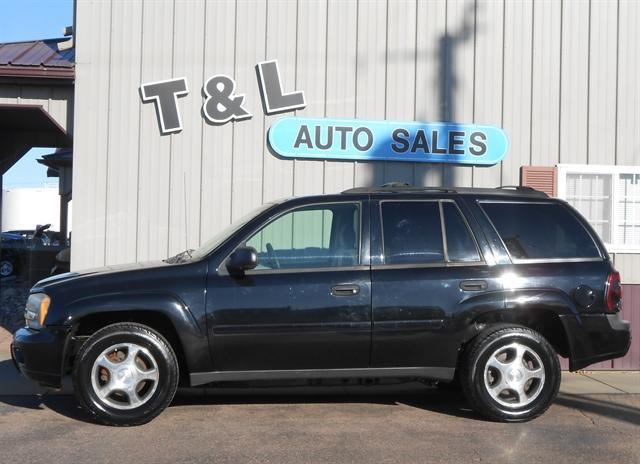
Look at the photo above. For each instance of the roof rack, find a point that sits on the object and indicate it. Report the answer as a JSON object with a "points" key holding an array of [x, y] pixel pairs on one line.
{"points": [[516, 187], [391, 187], [403, 187]]}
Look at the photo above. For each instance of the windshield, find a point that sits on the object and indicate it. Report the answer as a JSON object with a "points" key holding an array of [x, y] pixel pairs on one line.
{"points": [[218, 239]]}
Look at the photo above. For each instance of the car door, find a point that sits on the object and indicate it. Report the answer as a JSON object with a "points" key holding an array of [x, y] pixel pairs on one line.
{"points": [[307, 304], [429, 277]]}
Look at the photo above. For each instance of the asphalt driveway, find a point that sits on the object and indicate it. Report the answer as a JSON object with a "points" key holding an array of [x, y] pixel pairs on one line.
{"points": [[595, 419], [357, 424]]}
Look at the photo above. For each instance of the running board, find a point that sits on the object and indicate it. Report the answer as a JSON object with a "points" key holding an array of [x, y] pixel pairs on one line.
{"points": [[434, 373]]}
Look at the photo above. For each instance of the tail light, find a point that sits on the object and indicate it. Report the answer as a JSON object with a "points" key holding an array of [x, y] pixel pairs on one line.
{"points": [[613, 292]]}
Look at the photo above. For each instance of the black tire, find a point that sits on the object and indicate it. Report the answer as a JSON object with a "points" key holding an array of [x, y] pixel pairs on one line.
{"points": [[7, 267], [162, 357], [477, 377]]}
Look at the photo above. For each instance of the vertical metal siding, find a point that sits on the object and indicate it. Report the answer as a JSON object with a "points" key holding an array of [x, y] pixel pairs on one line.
{"points": [[559, 77], [217, 141], [627, 265], [401, 76], [603, 61], [153, 151], [91, 149], [249, 136], [631, 312], [517, 87], [122, 138], [488, 78], [311, 41], [628, 88], [457, 53], [185, 181], [371, 80], [430, 75], [545, 85], [281, 42], [340, 81], [574, 81]]}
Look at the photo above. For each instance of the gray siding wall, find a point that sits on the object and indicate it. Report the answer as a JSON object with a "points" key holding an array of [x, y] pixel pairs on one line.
{"points": [[56, 100], [559, 77]]}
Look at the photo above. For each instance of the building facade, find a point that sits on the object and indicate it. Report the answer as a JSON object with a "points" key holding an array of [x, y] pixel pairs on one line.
{"points": [[559, 77]]}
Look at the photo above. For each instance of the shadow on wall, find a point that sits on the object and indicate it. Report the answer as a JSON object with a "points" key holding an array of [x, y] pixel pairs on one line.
{"points": [[446, 86]]}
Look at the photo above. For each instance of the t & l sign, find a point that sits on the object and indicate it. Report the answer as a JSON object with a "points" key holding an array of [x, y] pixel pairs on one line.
{"points": [[222, 104]]}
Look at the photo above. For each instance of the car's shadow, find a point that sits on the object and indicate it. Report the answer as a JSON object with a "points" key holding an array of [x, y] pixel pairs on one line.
{"points": [[430, 399], [447, 402]]}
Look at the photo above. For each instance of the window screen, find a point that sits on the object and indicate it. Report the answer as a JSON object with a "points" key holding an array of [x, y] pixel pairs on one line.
{"points": [[412, 232], [540, 231], [460, 244], [310, 237], [591, 195], [628, 210]]}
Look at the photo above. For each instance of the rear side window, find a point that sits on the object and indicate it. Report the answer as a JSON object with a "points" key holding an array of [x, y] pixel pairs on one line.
{"points": [[540, 231], [461, 246], [412, 232]]}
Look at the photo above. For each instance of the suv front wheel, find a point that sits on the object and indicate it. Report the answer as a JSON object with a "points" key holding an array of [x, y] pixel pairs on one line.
{"points": [[510, 374], [125, 374]]}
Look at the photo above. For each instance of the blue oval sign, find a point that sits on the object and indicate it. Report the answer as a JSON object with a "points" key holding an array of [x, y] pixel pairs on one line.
{"points": [[355, 139]]}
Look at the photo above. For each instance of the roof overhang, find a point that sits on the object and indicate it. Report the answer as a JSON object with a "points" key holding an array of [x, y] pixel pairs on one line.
{"points": [[23, 127], [23, 72]]}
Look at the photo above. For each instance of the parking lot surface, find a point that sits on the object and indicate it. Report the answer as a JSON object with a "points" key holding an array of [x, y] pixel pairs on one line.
{"points": [[595, 419], [316, 424]]}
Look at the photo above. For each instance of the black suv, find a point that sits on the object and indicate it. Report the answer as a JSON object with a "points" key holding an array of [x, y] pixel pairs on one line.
{"points": [[479, 287]]}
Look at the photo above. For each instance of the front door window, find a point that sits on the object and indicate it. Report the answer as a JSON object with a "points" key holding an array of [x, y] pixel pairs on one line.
{"points": [[311, 237]]}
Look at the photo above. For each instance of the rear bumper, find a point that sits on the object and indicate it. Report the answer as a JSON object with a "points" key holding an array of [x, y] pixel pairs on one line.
{"points": [[595, 337], [38, 354]]}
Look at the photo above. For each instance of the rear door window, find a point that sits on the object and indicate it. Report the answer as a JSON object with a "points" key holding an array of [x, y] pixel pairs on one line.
{"points": [[540, 231], [412, 232]]}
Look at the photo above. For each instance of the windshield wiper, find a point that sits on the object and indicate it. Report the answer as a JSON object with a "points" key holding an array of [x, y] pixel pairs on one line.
{"points": [[180, 257]]}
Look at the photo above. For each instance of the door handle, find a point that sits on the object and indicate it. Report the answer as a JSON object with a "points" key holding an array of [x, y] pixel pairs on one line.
{"points": [[345, 290], [473, 285]]}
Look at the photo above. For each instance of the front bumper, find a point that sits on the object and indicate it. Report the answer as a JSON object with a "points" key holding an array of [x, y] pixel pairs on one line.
{"points": [[595, 337], [39, 354]]}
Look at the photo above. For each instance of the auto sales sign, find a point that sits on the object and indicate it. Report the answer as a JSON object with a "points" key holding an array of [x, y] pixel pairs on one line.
{"points": [[354, 139]]}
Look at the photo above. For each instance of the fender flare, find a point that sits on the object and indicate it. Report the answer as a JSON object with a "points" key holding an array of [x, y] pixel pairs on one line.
{"points": [[191, 333]]}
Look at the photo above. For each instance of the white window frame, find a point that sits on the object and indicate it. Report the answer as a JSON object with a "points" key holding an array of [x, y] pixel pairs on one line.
{"points": [[615, 171]]}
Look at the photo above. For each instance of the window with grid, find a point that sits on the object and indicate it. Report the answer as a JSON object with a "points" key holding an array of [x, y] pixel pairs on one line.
{"points": [[609, 198]]}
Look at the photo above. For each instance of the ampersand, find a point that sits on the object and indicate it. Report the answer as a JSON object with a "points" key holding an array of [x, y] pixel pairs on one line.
{"points": [[221, 104]]}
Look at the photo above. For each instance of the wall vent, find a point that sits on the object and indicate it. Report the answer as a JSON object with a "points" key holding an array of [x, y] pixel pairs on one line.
{"points": [[543, 178]]}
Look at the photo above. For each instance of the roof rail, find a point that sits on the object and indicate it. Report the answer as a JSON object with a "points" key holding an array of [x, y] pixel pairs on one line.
{"points": [[392, 187], [515, 187], [403, 187]]}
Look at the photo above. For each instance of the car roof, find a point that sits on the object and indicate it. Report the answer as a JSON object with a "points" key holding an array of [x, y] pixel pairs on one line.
{"points": [[404, 188]]}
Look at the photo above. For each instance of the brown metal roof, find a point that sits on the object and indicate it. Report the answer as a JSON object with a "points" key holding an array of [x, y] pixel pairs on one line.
{"points": [[40, 58]]}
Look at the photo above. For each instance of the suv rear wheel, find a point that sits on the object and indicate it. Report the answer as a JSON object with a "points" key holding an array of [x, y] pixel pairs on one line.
{"points": [[510, 374], [125, 374]]}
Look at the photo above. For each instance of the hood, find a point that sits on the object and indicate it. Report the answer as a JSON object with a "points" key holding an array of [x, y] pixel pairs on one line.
{"points": [[70, 276]]}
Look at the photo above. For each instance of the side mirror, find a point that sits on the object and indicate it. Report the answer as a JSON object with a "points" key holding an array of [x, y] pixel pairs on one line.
{"points": [[241, 260]]}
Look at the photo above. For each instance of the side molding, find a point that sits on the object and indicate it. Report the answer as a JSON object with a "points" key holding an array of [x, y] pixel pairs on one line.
{"points": [[435, 373]]}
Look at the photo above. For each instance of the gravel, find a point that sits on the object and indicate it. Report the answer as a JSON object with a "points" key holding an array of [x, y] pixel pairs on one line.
{"points": [[13, 296]]}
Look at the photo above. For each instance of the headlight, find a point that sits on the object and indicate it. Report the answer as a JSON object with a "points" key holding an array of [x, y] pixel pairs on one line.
{"points": [[36, 310]]}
